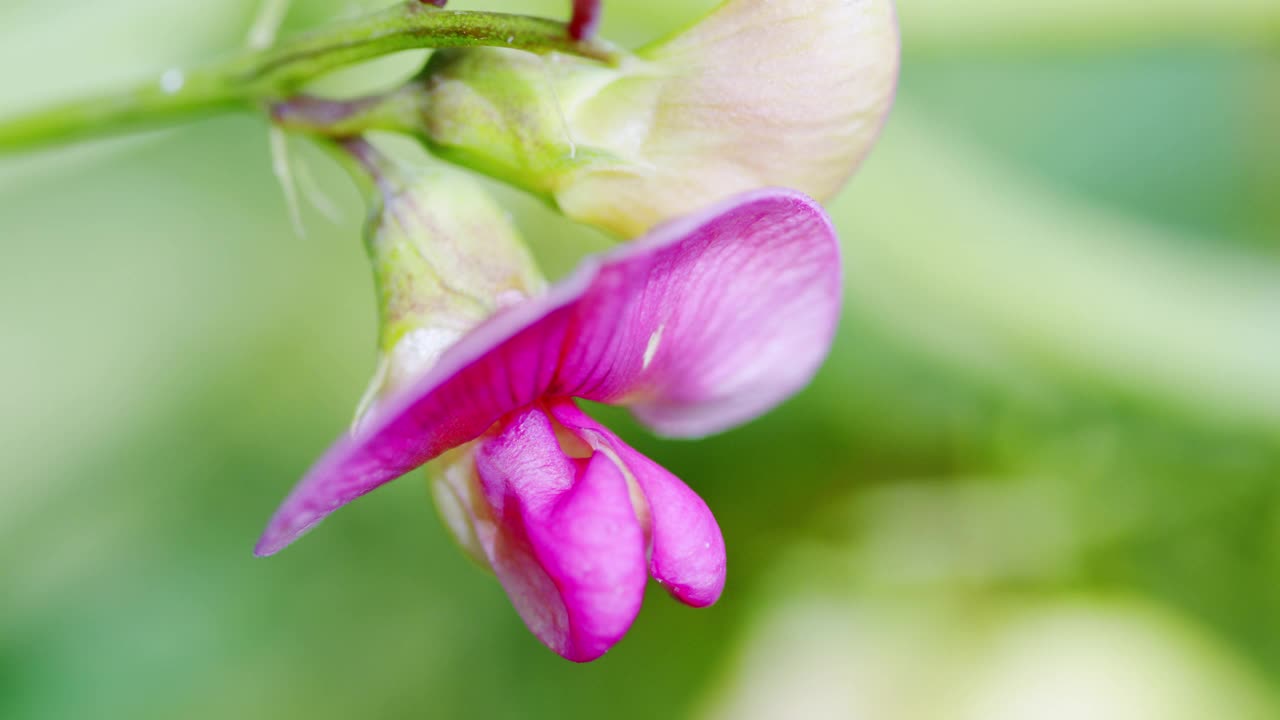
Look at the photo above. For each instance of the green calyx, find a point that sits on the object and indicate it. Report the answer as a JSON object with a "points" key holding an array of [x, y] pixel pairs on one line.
{"points": [[445, 257], [507, 114]]}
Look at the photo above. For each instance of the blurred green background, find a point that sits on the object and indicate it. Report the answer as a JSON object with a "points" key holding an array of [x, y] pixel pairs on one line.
{"points": [[1039, 476]]}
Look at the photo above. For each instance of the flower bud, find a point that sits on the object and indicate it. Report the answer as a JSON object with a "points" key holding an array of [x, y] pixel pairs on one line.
{"points": [[445, 257], [760, 92]]}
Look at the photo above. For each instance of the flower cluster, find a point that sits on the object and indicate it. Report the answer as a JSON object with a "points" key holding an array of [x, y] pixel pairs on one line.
{"points": [[722, 303]]}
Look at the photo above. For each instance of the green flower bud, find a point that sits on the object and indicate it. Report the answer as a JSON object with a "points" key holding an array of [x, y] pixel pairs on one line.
{"points": [[445, 257]]}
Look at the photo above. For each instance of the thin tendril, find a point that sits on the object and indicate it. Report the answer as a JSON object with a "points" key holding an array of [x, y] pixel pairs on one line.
{"points": [[315, 196], [266, 26], [284, 175]]}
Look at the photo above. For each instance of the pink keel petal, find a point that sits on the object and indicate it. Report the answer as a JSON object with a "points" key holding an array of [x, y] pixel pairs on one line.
{"points": [[570, 552], [688, 548], [701, 324]]}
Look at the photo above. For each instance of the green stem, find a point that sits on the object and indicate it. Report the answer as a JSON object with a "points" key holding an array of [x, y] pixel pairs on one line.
{"points": [[266, 76], [176, 96]]}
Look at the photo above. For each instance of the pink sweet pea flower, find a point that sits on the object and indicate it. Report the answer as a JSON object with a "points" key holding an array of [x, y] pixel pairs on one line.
{"points": [[705, 323]]}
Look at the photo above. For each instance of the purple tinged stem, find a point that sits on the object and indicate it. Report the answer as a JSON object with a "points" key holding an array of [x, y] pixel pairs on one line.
{"points": [[585, 20]]}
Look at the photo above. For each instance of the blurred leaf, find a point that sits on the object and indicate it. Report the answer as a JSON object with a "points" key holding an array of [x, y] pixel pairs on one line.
{"points": [[946, 25], [948, 245]]}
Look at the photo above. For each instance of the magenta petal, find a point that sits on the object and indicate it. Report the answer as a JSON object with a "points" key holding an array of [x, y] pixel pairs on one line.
{"points": [[688, 549], [586, 17], [710, 320], [701, 324], [571, 553], [503, 365]]}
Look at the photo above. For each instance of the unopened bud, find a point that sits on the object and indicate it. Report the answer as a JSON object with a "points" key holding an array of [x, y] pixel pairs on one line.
{"points": [[445, 257]]}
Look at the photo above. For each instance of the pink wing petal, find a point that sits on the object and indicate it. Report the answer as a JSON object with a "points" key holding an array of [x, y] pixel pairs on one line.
{"points": [[501, 366], [712, 319], [688, 549], [704, 323], [569, 550], [586, 18]]}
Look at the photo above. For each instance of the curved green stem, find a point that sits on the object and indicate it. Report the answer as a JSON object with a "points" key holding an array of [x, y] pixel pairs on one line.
{"points": [[259, 77], [175, 96], [409, 26]]}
